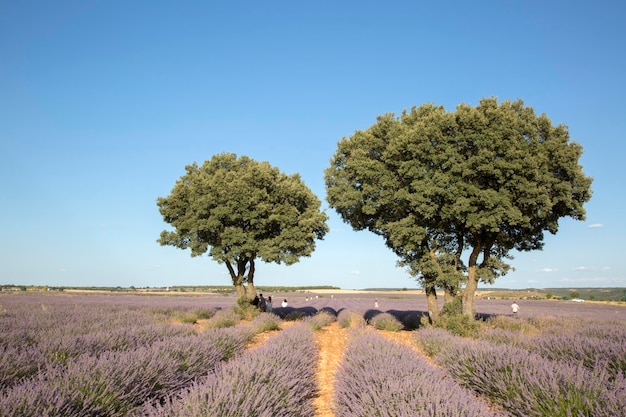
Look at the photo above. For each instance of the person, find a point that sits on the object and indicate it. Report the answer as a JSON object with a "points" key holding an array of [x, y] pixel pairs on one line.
{"points": [[262, 303], [255, 302], [284, 304], [268, 305], [514, 308], [376, 303]]}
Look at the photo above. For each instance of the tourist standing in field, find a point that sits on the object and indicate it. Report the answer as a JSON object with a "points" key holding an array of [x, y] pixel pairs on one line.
{"points": [[262, 303], [268, 304], [285, 303], [514, 308]]}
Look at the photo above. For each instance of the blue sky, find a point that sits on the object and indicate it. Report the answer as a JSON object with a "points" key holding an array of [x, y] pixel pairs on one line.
{"points": [[103, 103]]}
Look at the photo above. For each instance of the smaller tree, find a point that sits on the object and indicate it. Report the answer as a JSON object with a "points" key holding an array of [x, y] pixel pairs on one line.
{"points": [[238, 210]]}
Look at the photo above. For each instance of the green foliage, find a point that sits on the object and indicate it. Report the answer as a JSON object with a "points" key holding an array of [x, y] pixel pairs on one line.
{"points": [[433, 184], [237, 206], [191, 316], [187, 318], [453, 320], [266, 322], [574, 294], [320, 320], [453, 307], [223, 318], [459, 324], [347, 319], [245, 310], [386, 321], [237, 210]]}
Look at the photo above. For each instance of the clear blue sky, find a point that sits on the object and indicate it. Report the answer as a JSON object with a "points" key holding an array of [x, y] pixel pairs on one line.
{"points": [[103, 103]]}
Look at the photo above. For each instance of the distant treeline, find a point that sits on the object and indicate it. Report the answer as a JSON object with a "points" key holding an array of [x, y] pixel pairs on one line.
{"points": [[259, 288], [590, 294], [220, 289]]}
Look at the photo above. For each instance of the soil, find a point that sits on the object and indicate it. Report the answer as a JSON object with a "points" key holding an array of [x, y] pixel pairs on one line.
{"points": [[332, 341]]}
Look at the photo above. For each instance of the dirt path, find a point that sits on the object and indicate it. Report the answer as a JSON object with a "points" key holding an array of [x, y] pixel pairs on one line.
{"points": [[332, 341]]}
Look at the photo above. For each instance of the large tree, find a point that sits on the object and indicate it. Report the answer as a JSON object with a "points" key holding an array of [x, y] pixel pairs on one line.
{"points": [[479, 181], [238, 210]]}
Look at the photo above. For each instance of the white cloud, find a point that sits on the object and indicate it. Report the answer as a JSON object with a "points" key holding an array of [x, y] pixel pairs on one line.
{"points": [[588, 281], [596, 226], [591, 268], [547, 270], [355, 272], [566, 279]]}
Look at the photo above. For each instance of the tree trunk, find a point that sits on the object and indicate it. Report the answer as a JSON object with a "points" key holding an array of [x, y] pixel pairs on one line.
{"points": [[433, 306], [472, 282], [241, 290], [251, 291], [237, 279], [448, 294]]}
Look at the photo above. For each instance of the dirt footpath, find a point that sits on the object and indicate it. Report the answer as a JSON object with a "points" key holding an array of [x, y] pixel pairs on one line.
{"points": [[332, 341]]}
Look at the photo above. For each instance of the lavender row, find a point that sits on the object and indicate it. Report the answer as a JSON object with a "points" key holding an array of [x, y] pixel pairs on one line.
{"points": [[601, 328], [595, 344], [116, 382], [29, 320], [378, 377], [276, 379], [525, 383], [43, 330], [592, 352], [113, 382], [18, 361]]}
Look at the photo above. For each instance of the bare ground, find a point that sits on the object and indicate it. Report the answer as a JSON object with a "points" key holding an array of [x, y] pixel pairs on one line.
{"points": [[332, 341]]}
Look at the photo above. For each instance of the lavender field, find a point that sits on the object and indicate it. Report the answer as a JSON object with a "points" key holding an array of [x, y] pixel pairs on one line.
{"points": [[80, 354]]}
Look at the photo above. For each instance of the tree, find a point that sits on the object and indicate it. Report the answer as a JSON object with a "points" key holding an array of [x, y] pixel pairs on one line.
{"points": [[436, 185], [238, 210]]}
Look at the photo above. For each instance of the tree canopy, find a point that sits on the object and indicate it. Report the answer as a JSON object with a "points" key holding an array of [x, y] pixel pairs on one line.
{"points": [[436, 185], [238, 210]]}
